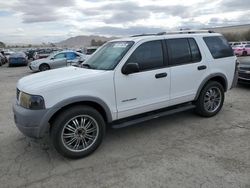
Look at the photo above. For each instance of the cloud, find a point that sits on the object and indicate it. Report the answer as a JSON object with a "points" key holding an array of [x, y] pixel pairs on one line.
{"points": [[41, 11], [118, 31], [233, 5]]}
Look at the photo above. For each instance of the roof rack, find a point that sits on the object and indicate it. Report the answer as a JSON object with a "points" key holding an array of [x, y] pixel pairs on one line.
{"points": [[175, 32], [144, 34], [185, 32]]}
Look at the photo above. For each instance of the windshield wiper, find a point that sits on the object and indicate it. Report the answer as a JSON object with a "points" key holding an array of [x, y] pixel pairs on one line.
{"points": [[85, 65]]}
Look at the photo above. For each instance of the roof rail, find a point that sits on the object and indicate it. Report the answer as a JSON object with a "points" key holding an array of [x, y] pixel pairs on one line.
{"points": [[185, 32], [145, 34]]}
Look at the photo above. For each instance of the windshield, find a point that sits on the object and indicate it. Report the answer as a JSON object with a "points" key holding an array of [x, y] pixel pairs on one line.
{"points": [[109, 55]]}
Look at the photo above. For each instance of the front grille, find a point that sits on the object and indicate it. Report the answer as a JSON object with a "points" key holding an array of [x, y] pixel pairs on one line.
{"points": [[244, 75], [17, 93], [244, 68]]}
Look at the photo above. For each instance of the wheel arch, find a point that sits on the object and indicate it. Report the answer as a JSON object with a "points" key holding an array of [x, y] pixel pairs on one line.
{"points": [[219, 77], [94, 102], [44, 64]]}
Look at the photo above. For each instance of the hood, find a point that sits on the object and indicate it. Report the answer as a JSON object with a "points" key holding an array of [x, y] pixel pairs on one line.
{"points": [[52, 78]]}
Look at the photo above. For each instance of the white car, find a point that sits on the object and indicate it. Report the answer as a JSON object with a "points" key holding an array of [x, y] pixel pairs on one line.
{"points": [[57, 60], [126, 81]]}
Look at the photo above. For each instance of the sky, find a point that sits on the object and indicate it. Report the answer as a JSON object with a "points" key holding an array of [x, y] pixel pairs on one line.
{"points": [[37, 21]]}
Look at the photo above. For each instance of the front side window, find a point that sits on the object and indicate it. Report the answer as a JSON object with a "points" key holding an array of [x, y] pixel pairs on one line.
{"points": [[109, 55], [149, 55], [59, 56], [219, 47]]}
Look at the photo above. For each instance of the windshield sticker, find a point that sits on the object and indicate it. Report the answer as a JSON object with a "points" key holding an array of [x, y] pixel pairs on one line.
{"points": [[120, 45]]}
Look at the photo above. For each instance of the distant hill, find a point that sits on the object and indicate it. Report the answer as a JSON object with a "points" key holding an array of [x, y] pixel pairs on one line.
{"points": [[82, 41]]}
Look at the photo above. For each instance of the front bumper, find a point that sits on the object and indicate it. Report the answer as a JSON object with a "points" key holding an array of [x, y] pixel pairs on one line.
{"points": [[33, 67], [30, 122]]}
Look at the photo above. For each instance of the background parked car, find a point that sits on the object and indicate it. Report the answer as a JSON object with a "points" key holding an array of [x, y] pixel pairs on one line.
{"points": [[57, 60], [7, 54], [17, 59], [239, 43], [3, 58], [242, 50], [244, 72], [30, 53], [42, 53]]}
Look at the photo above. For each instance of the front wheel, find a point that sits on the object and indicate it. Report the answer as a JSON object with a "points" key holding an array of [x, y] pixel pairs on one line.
{"points": [[78, 131], [210, 100], [44, 67]]}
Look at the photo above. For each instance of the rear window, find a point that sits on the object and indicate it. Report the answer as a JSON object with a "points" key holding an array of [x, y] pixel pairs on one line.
{"points": [[219, 47]]}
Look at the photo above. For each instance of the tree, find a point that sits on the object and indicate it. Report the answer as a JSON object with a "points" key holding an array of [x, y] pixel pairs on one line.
{"points": [[2, 45], [247, 35]]}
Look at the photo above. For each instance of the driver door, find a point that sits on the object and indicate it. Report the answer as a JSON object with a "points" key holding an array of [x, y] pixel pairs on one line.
{"points": [[148, 89]]}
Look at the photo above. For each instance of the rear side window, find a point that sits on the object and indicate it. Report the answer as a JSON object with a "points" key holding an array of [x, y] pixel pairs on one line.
{"points": [[218, 46], [183, 51], [195, 51], [70, 55], [149, 55]]}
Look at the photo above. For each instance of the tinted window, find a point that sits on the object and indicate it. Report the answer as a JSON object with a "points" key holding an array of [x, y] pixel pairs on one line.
{"points": [[149, 55], [70, 55], [179, 51], [218, 47], [247, 46], [195, 52], [60, 56]]}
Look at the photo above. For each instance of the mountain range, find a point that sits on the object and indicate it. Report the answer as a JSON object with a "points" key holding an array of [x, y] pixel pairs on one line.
{"points": [[82, 41]]}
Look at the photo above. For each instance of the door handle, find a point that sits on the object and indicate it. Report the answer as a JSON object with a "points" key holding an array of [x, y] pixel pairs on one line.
{"points": [[202, 67], [161, 75]]}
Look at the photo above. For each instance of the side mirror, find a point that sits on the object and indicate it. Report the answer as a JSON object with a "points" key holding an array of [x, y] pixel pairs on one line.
{"points": [[52, 58], [130, 68]]}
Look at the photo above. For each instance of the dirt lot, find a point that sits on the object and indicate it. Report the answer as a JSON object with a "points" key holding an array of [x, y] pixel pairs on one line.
{"points": [[178, 151]]}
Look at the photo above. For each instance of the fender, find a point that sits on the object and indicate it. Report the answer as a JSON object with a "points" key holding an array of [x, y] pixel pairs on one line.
{"points": [[203, 83], [51, 111]]}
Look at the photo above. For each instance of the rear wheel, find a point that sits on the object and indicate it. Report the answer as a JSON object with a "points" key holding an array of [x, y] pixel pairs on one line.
{"points": [[211, 99], [244, 53], [44, 67], [78, 131]]}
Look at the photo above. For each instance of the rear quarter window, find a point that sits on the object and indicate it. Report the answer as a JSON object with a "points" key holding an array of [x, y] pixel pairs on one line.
{"points": [[218, 47]]}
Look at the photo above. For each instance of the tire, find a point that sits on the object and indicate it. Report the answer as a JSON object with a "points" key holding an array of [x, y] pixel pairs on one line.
{"points": [[44, 67], [244, 53], [65, 129], [210, 100]]}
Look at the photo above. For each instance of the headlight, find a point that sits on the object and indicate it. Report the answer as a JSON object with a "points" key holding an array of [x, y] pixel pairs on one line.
{"points": [[34, 102]]}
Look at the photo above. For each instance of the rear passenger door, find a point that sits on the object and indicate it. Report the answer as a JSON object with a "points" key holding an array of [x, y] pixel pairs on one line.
{"points": [[72, 58], [188, 69]]}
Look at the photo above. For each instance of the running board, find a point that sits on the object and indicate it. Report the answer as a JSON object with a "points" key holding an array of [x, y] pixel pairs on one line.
{"points": [[124, 123]]}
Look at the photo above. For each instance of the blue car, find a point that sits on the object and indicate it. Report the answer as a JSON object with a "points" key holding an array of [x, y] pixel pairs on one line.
{"points": [[17, 59]]}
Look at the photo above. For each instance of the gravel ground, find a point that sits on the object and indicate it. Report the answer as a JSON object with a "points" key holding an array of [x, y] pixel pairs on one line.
{"points": [[182, 150]]}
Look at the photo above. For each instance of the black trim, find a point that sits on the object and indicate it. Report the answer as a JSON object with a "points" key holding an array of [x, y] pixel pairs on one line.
{"points": [[132, 120]]}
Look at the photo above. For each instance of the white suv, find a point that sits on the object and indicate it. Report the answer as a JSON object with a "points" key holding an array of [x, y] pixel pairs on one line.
{"points": [[126, 81]]}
